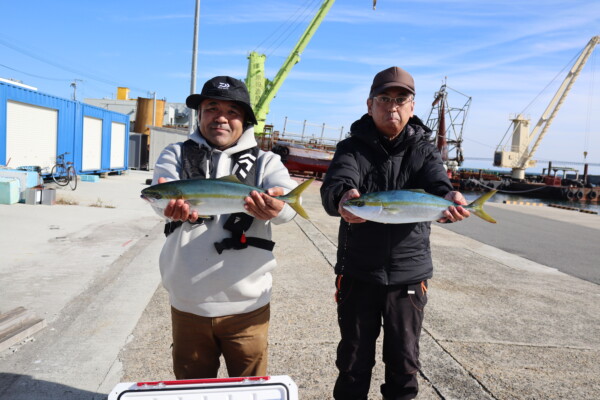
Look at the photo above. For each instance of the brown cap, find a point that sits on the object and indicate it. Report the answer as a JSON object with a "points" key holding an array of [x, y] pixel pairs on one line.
{"points": [[392, 77]]}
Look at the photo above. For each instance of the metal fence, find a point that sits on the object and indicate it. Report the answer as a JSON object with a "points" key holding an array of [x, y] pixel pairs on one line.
{"points": [[306, 132]]}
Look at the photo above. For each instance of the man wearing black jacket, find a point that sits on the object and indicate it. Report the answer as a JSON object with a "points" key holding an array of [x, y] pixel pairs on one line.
{"points": [[382, 269]]}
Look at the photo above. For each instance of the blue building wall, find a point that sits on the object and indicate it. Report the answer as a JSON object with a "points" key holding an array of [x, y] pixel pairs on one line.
{"points": [[70, 124]]}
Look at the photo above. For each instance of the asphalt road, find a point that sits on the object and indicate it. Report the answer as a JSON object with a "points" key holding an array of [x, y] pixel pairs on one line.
{"points": [[569, 247]]}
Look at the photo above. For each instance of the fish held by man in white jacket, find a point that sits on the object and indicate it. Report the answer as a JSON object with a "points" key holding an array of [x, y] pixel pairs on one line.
{"points": [[408, 206], [216, 196]]}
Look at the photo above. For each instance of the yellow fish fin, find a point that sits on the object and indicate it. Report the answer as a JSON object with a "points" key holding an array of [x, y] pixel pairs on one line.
{"points": [[293, 198], [476, 207], [229, 178]]}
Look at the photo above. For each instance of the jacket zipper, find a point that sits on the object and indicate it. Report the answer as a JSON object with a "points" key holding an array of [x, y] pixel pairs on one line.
{"points": [[388, 261], [344, 252]]}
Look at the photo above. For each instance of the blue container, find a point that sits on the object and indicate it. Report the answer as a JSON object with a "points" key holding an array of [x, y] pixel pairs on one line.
{"points": [[28, 179], [89, 178], [9, 190], [113, 146]]}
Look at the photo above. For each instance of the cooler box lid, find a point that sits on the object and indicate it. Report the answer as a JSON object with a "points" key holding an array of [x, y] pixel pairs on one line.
{"points": [[251, 388]]}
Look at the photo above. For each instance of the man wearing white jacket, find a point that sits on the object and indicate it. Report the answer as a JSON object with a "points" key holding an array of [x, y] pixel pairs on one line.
{"points": [[217, 273]]}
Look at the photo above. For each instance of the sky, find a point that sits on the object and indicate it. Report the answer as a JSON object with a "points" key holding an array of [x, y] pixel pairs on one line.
{"points": [[508, 56]]}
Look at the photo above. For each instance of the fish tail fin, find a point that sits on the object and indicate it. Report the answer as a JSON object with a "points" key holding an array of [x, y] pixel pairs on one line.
{"points": [[293, 198], [477, 206]]}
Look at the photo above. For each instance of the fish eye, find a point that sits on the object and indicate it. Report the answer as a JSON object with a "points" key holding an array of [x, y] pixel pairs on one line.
{"points": [[359, 203], [155, 196]]}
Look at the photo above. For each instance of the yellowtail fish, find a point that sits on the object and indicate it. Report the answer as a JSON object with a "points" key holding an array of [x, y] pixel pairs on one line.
{"points": [[406, 206], [215, 196]]}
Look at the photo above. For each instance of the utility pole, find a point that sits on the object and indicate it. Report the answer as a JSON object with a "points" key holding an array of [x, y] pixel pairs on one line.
{"points": [[74, 86], [192, 115]]}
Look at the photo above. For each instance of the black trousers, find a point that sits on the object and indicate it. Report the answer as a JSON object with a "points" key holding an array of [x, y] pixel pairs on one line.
{"points": [[362, 308]]}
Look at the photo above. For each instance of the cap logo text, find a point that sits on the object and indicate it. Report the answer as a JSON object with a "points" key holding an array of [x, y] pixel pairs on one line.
{"points": [[223, 85]]}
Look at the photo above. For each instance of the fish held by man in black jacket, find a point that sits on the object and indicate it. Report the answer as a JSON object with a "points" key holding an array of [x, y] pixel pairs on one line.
{"points": [[408, 206]]}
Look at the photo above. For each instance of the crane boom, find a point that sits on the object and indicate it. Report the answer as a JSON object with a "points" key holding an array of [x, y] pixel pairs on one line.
{"points": [[559, 98], [520, 157], [264, 93]]}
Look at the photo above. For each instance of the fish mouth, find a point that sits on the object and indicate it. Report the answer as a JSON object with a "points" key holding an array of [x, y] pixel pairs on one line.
{"points": [[148, 199]]}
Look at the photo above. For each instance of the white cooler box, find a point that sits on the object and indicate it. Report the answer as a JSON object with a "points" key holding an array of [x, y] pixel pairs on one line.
{"points": [[252, 388]]}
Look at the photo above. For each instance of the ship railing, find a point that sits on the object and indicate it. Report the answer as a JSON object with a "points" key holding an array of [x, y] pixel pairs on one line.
{"points": [[311, 134]]}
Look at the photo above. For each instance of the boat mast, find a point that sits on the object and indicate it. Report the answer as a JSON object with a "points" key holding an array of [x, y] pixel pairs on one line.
{"points": [[447, 125]]}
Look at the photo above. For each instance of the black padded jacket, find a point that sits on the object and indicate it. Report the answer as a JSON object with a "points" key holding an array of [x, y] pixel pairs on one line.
{"points": [[386, 254]]}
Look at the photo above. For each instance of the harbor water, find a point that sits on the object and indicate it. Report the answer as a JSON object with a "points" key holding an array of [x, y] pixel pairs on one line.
{"points": [[502, 197]]}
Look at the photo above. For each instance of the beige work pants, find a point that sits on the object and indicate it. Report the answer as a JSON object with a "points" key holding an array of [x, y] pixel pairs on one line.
{"points": [[198, 342]]}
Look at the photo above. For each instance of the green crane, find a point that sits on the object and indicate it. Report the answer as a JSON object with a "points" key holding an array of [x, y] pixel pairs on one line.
{"points": [[262, 90]]}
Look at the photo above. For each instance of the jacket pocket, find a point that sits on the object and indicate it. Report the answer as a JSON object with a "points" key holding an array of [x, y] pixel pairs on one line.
{"points": [[343, 287], [417, 293]]}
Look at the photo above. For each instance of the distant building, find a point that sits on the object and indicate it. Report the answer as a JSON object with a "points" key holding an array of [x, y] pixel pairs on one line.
{"points": [[146, 115], [173, 115]]}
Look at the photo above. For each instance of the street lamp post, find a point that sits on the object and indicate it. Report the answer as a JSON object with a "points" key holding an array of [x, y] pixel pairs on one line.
{"points": [[192, 115], [74, 86]]}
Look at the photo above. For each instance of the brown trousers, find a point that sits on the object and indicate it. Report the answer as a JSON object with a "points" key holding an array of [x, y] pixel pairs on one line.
{"points": [[198, 342]]}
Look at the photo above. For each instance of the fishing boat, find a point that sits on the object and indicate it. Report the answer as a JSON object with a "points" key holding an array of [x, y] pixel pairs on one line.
{"points": [[554, 183], [302, 158], [299, 157], [301, 154]]}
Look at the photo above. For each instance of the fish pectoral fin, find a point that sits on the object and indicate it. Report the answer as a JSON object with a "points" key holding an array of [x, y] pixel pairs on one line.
{"points": [[229, 178], [391, 210], [195, 202]]}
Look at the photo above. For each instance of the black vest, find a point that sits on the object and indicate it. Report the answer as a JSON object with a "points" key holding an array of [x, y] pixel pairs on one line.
{"points": [[196, 163]]}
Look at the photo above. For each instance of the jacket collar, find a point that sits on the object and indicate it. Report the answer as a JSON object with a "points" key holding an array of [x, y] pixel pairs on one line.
{"points": [[365, 129]]}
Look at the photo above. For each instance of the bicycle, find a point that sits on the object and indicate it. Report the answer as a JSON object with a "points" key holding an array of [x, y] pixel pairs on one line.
{"points": [[63, 173]]}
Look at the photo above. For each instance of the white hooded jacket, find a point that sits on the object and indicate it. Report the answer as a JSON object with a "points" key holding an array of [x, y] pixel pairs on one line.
{"points": [[201, 281]]}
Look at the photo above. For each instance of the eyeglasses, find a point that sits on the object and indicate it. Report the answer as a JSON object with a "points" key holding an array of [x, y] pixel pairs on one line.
{"points": [[398, 100]]}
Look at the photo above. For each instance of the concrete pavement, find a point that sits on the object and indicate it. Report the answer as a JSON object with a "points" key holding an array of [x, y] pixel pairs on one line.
{"points": [[497, 326], [89, 269]]}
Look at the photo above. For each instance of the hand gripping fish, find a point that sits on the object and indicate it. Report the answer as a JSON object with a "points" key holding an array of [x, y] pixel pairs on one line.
{"points": [[215, 196], [406, 206]]}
